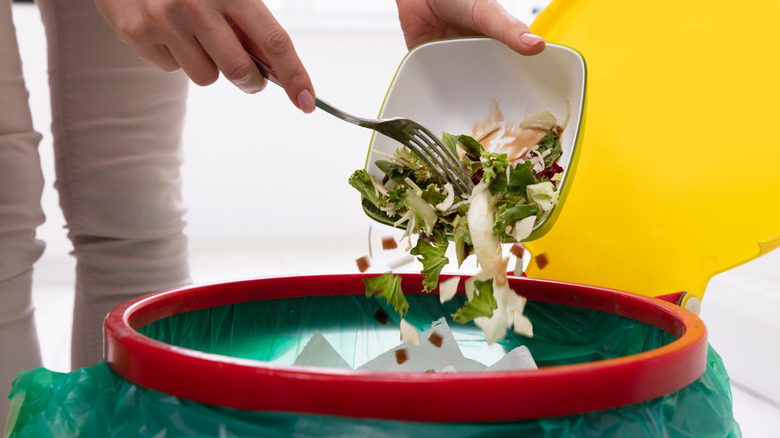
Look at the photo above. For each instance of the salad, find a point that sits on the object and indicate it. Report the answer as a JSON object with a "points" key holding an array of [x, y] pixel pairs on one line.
{"points": [[516, 173]]}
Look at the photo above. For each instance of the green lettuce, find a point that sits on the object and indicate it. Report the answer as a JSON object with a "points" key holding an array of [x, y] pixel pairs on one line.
{"points": [[483, 303], [425, 214], [394, 170], [471, 147], [432, 257], [462, 239], [388, 286], [508, 214], [414, 191], [521, 176], [543, 194], [361, 181], [553, 142], [493, 165]]}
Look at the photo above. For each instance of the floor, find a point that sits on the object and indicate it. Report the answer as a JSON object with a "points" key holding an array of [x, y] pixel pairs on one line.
{"points": [[222, 257]]}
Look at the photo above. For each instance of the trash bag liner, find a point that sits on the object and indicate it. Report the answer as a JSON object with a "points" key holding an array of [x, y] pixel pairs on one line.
{"points": [[95, 401]]}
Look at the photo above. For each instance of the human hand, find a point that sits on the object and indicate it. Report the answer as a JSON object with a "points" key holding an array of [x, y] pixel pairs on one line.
{"points": [[205, 37], [427, 20]]}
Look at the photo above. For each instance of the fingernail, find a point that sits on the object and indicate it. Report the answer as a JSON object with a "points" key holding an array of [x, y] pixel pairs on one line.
{"points": [[531, 39], [306, 101]]}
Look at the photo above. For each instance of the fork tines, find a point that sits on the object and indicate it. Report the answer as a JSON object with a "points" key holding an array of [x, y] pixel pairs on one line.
{"points": [[439, 158]]}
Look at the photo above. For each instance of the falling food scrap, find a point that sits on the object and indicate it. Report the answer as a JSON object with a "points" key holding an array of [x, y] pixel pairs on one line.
{"points": [[436, 339], [401, 261], [381, 316], [409, 334], [517, 250], [448, 288], [401, 356], [541, 260], [363, 263], [388, 242]]}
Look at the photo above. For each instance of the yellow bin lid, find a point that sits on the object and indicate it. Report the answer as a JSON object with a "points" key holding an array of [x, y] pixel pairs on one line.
{"points": [[678, 175]]}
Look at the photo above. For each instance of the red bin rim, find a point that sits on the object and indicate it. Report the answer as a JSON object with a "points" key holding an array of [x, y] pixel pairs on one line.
{"points": [[252, 385]]}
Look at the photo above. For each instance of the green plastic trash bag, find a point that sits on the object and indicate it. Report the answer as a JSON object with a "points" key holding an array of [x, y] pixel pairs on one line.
{"points": [[96, 402]]}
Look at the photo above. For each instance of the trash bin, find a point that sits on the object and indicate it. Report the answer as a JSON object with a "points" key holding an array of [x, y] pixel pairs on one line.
{"points": [[214, 360]]}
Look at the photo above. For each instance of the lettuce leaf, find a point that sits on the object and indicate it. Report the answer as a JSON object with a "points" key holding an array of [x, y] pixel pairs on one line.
{"points": [[361, 181], [508, 214], [432, 257], [521, 176], [425, 213], [462, 238], [393, 170], [388, 286], [543, 194], [412, 161], [432, 196], [471, 147], [483, 303], [553, 142], [493, 164]]}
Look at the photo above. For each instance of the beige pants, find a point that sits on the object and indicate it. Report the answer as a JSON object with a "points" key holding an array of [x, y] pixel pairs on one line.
{"points": [[116, 123]]}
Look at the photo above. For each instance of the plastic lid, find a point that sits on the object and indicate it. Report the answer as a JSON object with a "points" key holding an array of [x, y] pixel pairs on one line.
{"points": [[677, 176]]}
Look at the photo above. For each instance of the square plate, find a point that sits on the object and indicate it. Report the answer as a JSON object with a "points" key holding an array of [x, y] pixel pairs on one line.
{"points": [[450, 85]]}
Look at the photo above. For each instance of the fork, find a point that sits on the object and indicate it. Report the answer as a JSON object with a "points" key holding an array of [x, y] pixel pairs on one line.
{"points": [[407, 132]]}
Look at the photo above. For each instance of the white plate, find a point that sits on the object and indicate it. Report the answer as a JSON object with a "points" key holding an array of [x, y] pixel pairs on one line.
{"points": [[450, 85]]}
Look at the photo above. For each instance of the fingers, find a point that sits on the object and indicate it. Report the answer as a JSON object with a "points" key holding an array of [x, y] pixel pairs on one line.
{"points": [[224, 48], [267, 39], [466, 18], [165, 33], [158, 55], [494, 21], [194, 60], [135, 27], [204, 38], [202, 42]]}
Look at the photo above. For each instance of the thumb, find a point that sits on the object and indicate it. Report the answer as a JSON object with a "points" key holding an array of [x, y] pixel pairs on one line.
{"points": [[494, 21]]}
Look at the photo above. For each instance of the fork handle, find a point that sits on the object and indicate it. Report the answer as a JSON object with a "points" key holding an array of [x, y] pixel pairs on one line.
{"points": [[265, 70], [270, 74]]}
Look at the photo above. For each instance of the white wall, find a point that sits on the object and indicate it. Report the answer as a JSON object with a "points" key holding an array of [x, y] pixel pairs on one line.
{"points": [[741, 309]]}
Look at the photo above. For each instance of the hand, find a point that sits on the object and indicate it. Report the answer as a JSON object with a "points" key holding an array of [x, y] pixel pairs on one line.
{"points": [[205, 37], [427, 20]]}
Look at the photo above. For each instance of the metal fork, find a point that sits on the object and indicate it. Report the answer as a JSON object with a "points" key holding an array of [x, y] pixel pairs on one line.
{"points": [[407, 132]]}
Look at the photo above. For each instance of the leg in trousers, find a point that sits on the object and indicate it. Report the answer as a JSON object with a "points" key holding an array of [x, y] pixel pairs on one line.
{"points": [[21, 185], [117, 123]]}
